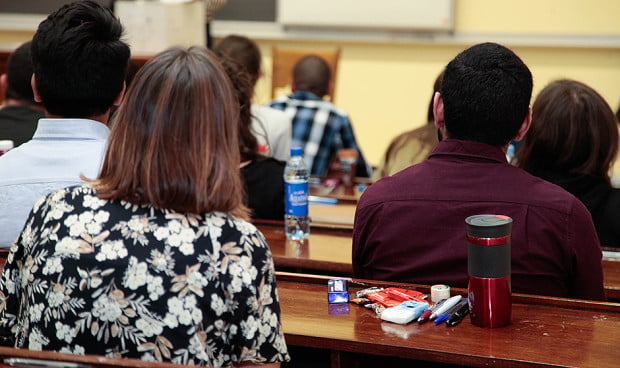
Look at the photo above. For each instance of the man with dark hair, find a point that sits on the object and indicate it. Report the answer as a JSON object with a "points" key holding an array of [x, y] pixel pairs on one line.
{"points": [[19, 116], [79, 64], [319, 127], [411, 226]]}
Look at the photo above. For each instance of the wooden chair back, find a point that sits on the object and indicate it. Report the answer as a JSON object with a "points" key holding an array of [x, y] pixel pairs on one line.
{"points": [[284, 60]]}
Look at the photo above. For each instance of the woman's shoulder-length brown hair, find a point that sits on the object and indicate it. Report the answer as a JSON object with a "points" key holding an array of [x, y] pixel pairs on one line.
{"points": [[174, 144], [573, 130]]}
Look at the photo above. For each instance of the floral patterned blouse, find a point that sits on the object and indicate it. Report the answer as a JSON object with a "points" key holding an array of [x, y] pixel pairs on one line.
{"points": [[91, 276]]}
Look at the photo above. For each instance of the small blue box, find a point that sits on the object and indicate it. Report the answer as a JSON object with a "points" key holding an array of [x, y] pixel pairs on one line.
{"points": [[338, 291]]}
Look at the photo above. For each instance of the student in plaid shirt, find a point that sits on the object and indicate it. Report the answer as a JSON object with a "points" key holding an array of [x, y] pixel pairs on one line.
{"points": [[319, 127]]}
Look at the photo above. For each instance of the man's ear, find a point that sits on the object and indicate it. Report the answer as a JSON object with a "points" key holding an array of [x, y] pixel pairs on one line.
{"points": [[35, 91], [438, 111], [121, 94], [525, 126]]}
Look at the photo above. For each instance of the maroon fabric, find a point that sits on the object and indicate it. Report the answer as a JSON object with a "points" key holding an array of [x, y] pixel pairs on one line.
{"points": [[410, 227]]}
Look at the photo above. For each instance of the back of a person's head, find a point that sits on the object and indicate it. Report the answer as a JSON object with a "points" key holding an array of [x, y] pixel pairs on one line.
{"points": [[573, 130], [312, 74], [486, 91], [248, 144], [174, 141], [243, 51], [19, 74], [79, 60]]}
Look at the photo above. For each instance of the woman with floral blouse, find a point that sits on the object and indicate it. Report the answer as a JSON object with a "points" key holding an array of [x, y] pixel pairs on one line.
{"points": [[155, 258]]}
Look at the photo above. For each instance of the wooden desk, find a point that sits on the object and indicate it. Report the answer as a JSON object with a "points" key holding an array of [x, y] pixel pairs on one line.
{"points": [[544, 331], [335, 214], [328, 252], [332, 188], [611, 273], [77, 361]]}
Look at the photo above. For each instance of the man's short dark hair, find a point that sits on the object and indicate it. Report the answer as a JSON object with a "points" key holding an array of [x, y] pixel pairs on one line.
{"points": [[19, 73], [486, 93], [79, 60], [312, 74]]}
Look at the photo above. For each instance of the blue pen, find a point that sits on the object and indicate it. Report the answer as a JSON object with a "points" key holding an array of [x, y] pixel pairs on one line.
{"points": [[447, 314]]}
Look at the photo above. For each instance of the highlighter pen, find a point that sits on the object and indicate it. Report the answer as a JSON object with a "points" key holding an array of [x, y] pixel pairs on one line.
{"points": [[458, 316], [446, 306], [447, 314], [425, 316]]}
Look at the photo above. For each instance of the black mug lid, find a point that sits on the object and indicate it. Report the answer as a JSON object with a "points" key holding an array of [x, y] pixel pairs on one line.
{"points": [[488, 226]]}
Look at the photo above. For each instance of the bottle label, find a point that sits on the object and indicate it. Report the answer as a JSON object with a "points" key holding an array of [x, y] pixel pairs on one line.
{"points": [[296, 200]]}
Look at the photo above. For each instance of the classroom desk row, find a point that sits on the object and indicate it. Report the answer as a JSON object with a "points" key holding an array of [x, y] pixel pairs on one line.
{"points": [[544, 331], [328, 252]]}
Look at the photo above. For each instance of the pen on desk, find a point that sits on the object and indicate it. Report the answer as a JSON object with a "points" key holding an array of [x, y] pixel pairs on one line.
{"points": [[447, 314], [460, 313], [425, 316], [324, 200], [449, 303]]}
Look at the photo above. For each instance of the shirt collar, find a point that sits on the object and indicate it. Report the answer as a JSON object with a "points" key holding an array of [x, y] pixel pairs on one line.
{"points": [[469, 149], [71, 129], [305, 95]]}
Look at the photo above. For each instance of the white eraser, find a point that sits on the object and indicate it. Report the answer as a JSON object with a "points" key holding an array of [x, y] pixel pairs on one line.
{"points": [[404, 312]]}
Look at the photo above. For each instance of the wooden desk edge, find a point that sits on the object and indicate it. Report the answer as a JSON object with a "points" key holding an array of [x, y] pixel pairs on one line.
{"points": [[413, 353], [90, 360], [308, 264], [346, 228], [551, 301]]}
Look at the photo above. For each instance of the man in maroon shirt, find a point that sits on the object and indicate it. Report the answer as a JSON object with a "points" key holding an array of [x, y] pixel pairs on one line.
{"points": [[410, 227]]}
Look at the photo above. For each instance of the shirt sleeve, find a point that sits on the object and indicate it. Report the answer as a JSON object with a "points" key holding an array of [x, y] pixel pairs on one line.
{"points": [[587, 281], [282, 142]]}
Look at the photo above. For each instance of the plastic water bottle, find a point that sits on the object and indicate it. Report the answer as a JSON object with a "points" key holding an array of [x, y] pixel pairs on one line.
{"points": [[296, 219]]}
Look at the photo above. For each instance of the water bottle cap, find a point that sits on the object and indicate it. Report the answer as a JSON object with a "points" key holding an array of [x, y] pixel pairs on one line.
{"points": [[296, 151], [6, 144]]}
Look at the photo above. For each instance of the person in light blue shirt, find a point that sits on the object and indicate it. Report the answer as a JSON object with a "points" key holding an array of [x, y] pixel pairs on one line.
{"points": [[79, 65]]}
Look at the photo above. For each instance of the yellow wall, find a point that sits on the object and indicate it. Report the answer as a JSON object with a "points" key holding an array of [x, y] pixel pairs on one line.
{"points": [[386, 86]]}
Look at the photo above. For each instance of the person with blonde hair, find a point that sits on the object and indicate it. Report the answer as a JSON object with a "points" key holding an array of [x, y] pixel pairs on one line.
{"points": [[154, 259], [573, 142]]}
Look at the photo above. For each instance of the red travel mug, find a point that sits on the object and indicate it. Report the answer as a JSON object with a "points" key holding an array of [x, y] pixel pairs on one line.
{"points": [[488, 264]]}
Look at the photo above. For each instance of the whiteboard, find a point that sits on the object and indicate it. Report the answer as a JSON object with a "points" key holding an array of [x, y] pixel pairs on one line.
{"points": [[407, 15]]}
